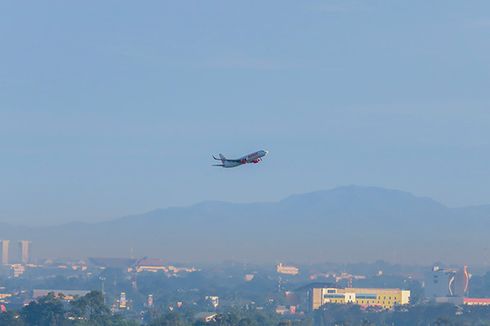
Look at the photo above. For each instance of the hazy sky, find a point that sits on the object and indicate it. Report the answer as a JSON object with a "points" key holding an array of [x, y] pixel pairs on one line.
{"points": [[114, 107]]}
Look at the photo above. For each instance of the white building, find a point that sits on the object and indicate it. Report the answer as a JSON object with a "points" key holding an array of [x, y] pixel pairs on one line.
{"points": [[287, 269]]}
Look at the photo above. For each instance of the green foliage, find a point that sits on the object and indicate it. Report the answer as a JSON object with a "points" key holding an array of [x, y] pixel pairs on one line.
{"points": [[88, 310], [47, 311], [418, 315], [11, 319], [91, 308], [170, 319], [232, 317]]}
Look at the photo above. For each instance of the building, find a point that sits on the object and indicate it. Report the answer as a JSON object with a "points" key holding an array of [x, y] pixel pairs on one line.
{"points": [[286, 310], [176, 270], [477, 301], [151, 265], [459, 282], [4, 297], [288, 270], [447, 282], [248, 277], [25, 251], [5, 252], [382, 298], [123, 303], [436, 283], [206, 317], [282, 310], [149, 301], [212, 300], [17, 269], [154, 265]]}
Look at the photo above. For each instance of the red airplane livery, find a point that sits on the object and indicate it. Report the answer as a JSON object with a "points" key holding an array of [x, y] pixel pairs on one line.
{"points": [[250, 158]]}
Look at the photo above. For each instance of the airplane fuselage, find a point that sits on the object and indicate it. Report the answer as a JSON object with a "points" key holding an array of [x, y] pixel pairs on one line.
{"points": [[255, 158]]}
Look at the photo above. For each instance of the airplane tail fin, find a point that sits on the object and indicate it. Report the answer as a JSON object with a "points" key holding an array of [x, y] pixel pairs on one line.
{"points": [[220, 158]]}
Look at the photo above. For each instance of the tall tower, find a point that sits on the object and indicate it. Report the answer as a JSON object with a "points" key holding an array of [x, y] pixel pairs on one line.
{"points": [[24, 251], [5, 252]]}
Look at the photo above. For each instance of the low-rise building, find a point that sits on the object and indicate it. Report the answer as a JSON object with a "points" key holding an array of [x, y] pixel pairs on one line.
{"points": [[18, 269], [288, 270], [248, 277], [158, 265], [4, 296], [151, 265], [213, 300], [368, 297], [476, 301], [123, 302], [206, 317]]}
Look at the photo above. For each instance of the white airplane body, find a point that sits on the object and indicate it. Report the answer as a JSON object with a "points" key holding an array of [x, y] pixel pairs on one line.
{"points": [[255, 158]]}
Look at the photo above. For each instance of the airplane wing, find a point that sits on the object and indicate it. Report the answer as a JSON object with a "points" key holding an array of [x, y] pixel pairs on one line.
{"points": [[235, 161]]}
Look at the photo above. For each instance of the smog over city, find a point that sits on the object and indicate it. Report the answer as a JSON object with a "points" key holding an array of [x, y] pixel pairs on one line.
{"points": [[281, 163]]}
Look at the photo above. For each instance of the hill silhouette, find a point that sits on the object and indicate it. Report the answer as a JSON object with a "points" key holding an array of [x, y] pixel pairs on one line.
{"points": [[345, 224]]}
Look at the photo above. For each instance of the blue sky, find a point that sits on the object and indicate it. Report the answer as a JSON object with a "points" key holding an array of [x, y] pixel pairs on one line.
{"points": [[109, 108]]}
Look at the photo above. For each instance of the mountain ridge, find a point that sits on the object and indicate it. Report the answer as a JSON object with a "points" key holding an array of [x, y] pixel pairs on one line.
{"points": [[345, 223]]}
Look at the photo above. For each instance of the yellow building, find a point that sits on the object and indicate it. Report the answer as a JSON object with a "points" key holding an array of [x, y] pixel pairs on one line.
{"points": [[151, 265], [383, 298]]}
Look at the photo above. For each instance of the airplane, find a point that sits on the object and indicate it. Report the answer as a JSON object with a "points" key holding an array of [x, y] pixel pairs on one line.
{"points": [[255, 158]]}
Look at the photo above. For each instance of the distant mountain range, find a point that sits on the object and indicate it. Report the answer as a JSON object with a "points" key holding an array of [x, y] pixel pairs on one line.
{"points": [[345, 224]]}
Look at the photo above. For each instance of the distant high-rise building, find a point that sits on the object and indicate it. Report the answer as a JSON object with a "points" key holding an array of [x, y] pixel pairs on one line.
{"points": [[24, 251], [5, 252]]}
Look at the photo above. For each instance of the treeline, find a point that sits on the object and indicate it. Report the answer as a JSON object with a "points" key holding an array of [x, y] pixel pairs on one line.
{"points": [[51, 311], [234, 318], [417, 315], [90, 310]]}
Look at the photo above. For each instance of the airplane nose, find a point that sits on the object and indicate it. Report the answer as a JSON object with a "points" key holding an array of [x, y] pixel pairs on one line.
{"points": [[266, 152]]}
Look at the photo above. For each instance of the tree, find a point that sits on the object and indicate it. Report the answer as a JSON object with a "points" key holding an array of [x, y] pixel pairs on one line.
{"points": [[245, 322], [169, 319], [10, 319], [47, 311], [91, 308]]}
